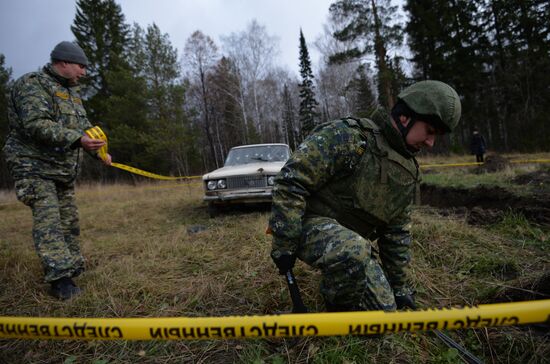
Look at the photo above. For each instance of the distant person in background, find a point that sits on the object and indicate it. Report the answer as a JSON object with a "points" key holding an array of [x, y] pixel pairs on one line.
{"points": [[46, 133], [478, 145], [350, 184]]}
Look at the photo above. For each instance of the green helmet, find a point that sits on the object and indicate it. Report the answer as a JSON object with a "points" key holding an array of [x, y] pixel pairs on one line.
{"points": [[434, 99]]}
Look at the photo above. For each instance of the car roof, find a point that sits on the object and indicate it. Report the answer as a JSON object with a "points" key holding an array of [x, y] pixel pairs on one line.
{"points": [[259, 145]]}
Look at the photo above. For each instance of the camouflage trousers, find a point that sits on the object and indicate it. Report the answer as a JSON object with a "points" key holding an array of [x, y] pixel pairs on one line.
{"points": [[56, 229], [352, 279]]}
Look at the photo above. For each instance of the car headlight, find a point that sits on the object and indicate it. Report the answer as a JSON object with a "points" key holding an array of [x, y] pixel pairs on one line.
{"points": [[270, 180], [221, 184], [211, 185]]}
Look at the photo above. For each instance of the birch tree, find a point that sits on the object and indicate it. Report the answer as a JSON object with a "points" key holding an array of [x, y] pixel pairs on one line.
{"points": [[200, 55], [252, 52]]}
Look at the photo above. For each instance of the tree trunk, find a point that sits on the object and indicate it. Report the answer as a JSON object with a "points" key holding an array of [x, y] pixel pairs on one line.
{"points": [[383, 70]]}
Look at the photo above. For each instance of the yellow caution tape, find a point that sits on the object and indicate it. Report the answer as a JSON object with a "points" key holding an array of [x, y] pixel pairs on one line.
{"points": [[288, 325], [97, 133], [148, 174], [532, 161], [450, 165]]}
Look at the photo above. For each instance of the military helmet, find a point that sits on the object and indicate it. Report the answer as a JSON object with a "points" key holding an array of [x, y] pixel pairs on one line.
{"points": [[69, 52], [434, 99]]}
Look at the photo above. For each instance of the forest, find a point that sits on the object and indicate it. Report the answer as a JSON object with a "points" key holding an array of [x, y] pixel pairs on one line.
{"points": [[178, 111]]}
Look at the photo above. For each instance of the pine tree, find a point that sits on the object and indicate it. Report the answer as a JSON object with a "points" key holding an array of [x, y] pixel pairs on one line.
{"points": [[399, 80], [5, 76], [115, 94], [100, 30], [520, 59], [308, 104], [449, 44], [371, 26], [168, 124], [226, 106], [289, 122], [496, 55], [363, 100]]}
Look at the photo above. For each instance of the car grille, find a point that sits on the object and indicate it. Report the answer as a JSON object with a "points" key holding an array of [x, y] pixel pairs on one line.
{"points": [[246, 182]]}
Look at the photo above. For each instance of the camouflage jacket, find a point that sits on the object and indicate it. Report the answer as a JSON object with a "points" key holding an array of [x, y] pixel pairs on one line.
{"points": [[46, 120], [358, 172]]}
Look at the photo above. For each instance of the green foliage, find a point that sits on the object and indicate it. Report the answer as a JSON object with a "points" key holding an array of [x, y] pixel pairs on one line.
{"points": [[100, 30], [448, 356], [115, 97], [495, 54], [5, 77], [225, 106], [363, 97], [522, 231], [470, 177], [70, 360], [289, 121], [168, 128], [498, 267], [308, 104], [399, 80], [254, 353], [373, 27], [136, 93], [340, 350]]}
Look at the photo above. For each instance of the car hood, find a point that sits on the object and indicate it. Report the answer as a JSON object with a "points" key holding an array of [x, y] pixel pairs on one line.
{"points": [[245, 169]]}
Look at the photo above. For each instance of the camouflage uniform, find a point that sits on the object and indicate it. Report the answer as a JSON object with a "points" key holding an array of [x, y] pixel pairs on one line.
{"points": [[46, 121], [349, 184]]}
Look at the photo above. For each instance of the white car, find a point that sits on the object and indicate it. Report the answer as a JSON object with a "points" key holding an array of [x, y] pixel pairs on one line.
{"points": [[246, 177]]}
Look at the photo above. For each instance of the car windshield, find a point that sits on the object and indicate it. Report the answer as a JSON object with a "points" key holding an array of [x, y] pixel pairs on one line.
{"points": [[259, 153]]}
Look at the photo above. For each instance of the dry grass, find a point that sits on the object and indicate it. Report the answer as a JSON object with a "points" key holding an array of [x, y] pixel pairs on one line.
{"points": [[143, 262]]}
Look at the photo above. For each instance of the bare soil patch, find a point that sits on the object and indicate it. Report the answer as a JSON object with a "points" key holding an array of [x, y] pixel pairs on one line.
{"points": [[534, 288], [486, 205], [538, 179]]}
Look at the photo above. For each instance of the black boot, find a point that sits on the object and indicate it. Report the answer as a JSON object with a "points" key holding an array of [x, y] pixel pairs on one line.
{"points": [[335, 307], [64, 288]]}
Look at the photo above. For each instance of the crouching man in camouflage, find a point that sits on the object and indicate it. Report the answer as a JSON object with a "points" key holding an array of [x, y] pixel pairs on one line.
{"points": [[351, 183], [47, 123]]}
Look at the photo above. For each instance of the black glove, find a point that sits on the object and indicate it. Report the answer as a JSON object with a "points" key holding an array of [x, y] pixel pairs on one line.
{"points": [[283, 260], [405, 301]]}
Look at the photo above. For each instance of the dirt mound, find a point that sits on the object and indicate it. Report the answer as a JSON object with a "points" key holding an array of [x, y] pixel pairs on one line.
{"points": [[494, 163], [487, 205]]}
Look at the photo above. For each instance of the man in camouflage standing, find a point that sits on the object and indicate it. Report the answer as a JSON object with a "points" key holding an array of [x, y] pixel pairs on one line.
{"points": [[351, 183], [47, 122]]}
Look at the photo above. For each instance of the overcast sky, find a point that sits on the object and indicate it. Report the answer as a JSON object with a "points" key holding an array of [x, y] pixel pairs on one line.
{"points": [[29, 29]]}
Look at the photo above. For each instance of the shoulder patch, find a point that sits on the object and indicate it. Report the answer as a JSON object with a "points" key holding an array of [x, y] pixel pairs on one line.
{"points": [[62, 95]]}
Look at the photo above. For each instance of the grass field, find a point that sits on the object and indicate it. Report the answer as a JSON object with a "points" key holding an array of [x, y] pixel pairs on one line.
{"points": [[145, 260]]}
